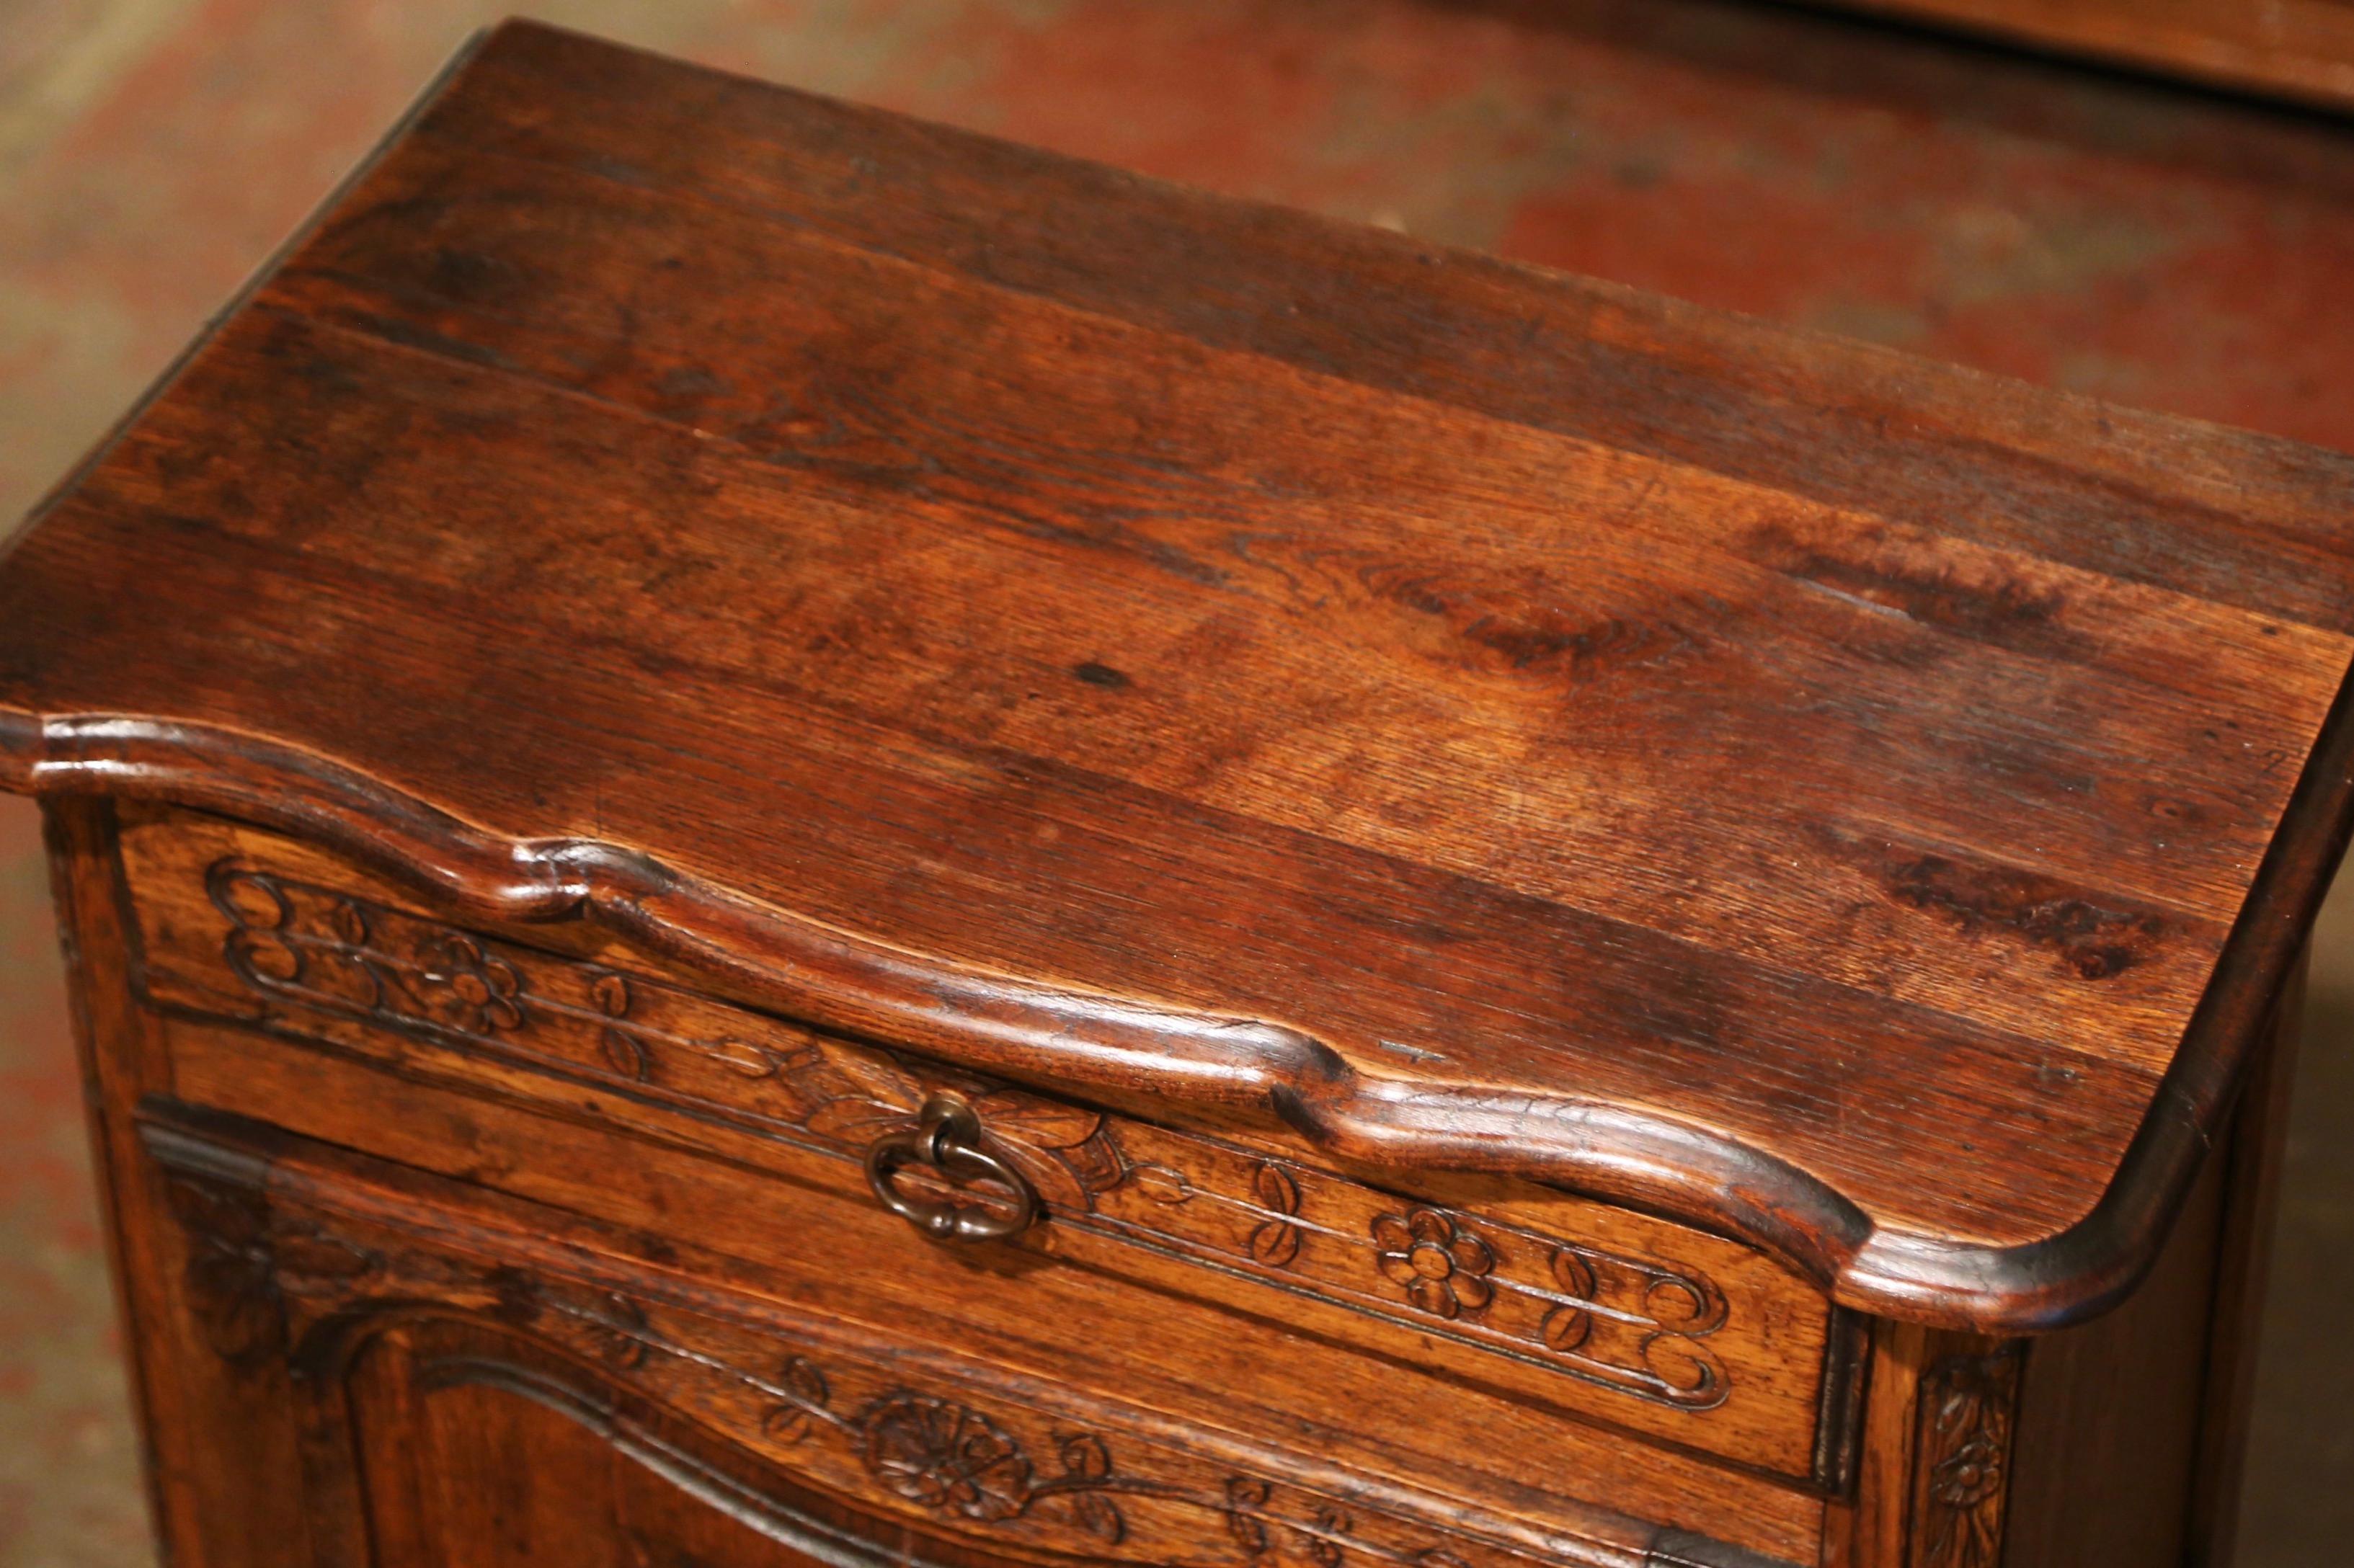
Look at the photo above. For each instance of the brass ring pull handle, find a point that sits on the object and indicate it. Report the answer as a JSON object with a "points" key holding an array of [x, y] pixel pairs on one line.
{"points": [[948, 1140]]}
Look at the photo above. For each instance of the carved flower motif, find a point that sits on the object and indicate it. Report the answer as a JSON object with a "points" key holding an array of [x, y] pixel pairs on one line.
{"points": [[1444, 1269], [483, 992], [948, 1458], [241, 1268], [1970, 1475]]}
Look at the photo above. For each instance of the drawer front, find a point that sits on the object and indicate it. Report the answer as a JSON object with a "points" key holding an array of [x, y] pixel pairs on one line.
{"points": [[377, 1294], [1609, 1317]]}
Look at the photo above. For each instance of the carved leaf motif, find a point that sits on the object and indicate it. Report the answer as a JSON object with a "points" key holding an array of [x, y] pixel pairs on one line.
{"points": [[1055, 1182], [1247, 1500], [1566, 1327], [857, 1121], [1326, 1542], [1274, 1242], [623, 1054], [1085, 1455], [1037, 1137], [1100, 1517], [1098, 1162], [1275, 1187], [1056, 1186], [747, 1059], [853, 1096], [1573, 1273], [622, 1050], [350, 926], [791, 1421], [1161, 1184]]}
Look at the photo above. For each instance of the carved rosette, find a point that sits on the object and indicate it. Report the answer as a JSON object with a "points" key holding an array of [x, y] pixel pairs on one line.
{"points": [[242, 1266], [1638, 1325], [944, 1456], [1966, 1407], [1440, 1264]]}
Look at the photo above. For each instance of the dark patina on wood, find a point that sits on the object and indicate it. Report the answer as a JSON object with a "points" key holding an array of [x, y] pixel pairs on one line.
{"points": [[1176, 652]]}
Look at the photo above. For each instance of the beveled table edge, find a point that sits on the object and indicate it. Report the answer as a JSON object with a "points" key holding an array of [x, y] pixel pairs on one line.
{"points": [[1072, 1038]]}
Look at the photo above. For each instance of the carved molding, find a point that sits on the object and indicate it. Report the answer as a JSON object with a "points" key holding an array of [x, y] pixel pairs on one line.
{"points": [[1002, 1023], [1621, 1152], [1962, 1464], [886, 1430], [1638, 1325]]}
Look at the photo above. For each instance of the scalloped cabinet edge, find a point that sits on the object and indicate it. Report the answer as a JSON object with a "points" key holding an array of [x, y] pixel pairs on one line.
{"points": [[1036, 1031]]}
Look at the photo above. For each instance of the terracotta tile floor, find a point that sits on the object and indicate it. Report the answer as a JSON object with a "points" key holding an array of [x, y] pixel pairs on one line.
{"points": [[2115, 238]]}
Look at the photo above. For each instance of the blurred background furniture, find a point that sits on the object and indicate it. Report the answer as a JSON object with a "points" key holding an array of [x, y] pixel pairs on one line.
{"points": [[2300, 49]]}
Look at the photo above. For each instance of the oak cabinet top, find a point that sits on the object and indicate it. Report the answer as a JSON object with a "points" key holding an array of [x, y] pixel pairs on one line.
{"points": [[1164, 647]]}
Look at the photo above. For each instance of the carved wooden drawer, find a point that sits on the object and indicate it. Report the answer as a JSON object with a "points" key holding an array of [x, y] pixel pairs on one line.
{"points": [[386, 1295], [1618, 1322], [316, 1260], [1557, 929]]}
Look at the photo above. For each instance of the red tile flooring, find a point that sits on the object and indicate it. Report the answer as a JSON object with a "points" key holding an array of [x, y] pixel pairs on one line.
{"points": [[2107, 235]]}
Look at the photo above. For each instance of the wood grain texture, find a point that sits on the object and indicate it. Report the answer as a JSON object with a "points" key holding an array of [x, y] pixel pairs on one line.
{"points": [[2301, 49], [1123, 640]]}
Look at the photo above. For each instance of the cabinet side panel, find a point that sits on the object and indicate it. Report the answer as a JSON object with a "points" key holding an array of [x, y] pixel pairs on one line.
{"points": [[2242, 1265], [2110, 1413], [217, 1439]]}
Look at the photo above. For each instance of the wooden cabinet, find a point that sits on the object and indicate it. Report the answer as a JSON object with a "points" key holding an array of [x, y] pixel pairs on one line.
{"points": [[793, 838]]}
